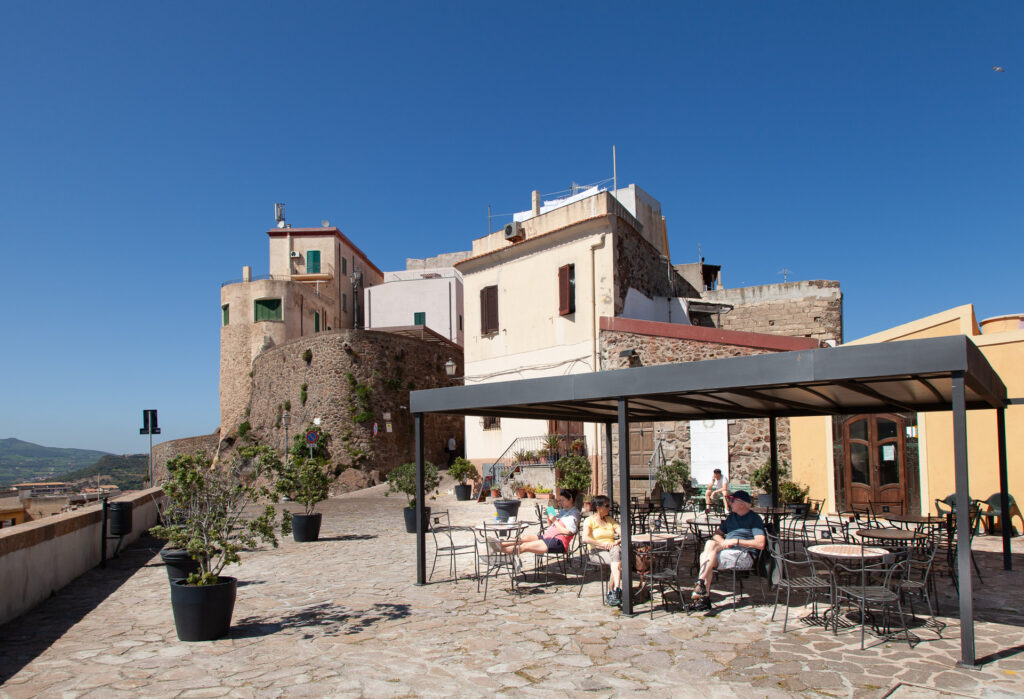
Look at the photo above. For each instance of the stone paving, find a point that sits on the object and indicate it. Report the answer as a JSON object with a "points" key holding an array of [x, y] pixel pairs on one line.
{"points": [[343, 617]]}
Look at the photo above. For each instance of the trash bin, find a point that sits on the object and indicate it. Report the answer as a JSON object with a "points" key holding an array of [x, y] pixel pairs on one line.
{"points": [[119, 518]]}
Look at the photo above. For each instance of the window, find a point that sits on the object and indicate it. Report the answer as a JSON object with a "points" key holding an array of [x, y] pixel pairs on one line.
{"points": [[267, 309], [492, 423], [460, 321], [566, 290], [224, 314], [419, 318], [488, 310], [316, 322], [344, 300], [344, 265], [312, 262]]}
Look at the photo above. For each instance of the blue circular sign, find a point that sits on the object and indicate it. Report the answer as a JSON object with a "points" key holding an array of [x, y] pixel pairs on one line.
{"points": [[375, 429], [311, 437]]}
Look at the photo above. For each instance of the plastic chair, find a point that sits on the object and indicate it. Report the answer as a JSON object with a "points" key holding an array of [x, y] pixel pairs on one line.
{"points": [[445, 545], [791, 580], [994, 511]]}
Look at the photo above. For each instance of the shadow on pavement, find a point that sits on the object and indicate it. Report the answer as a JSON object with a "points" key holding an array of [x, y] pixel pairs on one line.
{"points": [[27, 636], [348, 537], [326, 618]]}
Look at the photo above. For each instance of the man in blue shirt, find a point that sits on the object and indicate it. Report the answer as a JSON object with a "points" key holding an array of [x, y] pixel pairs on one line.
{"points": [[734, 545]]}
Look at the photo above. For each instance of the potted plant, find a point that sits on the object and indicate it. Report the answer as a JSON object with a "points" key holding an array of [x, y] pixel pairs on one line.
{"points": [[206, 517], [495, 490], [551, 447], [518, 487], [530, 491], [673, 476], [307, 482], [794, 496], [402, 479], [577, 446], [460, 470], [520, 456], [573, 472], [543, 493]]}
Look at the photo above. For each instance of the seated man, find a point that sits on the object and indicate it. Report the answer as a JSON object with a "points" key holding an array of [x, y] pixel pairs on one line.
{"points": [[719, 486], [734, 545]]}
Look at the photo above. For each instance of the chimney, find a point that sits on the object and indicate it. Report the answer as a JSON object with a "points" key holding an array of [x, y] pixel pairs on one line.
{"points": [[246, 273], [536, 203]]}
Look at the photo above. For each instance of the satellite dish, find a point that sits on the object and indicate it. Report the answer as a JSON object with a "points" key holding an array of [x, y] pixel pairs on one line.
{"points": [[325, 223]]}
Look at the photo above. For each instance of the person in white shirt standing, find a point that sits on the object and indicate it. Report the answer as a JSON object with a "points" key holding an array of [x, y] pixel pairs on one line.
{"points": [[719, 486]]}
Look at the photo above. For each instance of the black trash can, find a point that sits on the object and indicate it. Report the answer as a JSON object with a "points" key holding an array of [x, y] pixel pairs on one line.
{"points": [[119, 518]]}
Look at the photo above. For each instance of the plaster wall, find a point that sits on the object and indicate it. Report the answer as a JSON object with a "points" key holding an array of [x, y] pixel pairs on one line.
{"points": [[38, 558], [396, 302]]}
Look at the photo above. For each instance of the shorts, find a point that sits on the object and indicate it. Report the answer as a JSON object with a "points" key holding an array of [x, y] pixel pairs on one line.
{"points": [[555, 545], [606, 557], [735, 559]]}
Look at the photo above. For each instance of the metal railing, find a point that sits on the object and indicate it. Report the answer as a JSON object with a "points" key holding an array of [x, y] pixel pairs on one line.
{"points": [[540, 450]]}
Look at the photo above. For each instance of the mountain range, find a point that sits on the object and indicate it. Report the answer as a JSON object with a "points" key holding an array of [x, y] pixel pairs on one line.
{"points": [[24, 461]]}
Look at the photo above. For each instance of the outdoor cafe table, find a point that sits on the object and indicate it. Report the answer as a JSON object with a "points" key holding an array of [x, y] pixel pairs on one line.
{"points": [[846, 555], [773, 516], [890, 535], [916, 519]]}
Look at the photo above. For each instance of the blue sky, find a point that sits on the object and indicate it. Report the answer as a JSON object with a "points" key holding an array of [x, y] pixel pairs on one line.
{"points": [[143, 145]]}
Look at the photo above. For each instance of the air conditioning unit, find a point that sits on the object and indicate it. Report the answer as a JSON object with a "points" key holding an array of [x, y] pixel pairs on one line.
{"points": [[294, 254], [514, 232]]}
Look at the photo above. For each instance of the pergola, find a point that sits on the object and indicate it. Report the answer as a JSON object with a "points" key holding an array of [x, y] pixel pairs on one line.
{"points": [[940, 374]]}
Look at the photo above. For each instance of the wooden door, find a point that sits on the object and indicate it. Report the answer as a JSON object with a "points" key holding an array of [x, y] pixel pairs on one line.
{"points": [[641, 447], [874, 450]]}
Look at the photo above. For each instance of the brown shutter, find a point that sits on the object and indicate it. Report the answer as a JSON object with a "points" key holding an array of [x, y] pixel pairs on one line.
{"points": [[484, 325], [563, 290], [488, 310]]}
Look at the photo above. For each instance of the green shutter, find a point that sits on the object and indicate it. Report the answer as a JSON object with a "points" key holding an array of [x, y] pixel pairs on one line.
{"points": [[267, 309], [312, 262], [224, 313], [316, 322], [419, 318]]}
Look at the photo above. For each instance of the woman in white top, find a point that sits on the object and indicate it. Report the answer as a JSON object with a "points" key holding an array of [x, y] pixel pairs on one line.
{"points": [[719, 486]]}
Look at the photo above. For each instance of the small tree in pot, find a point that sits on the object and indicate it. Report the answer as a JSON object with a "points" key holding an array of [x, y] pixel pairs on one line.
{"points": [[307, 482], [205, 514], [402, 479], [673, 477], [573, 472], [460, 470]]}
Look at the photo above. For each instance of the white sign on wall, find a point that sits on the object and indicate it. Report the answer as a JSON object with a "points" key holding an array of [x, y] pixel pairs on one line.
{"points": [[709, 448]]}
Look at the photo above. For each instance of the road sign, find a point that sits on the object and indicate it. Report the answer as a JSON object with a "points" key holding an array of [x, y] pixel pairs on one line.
{"points": [[312, 436], [375, 429]]}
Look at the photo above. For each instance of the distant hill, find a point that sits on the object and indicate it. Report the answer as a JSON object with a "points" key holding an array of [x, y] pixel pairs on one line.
{"points": [[126, 472], [24, 461]]}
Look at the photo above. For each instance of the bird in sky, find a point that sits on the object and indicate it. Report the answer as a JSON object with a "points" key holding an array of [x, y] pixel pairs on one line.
{"points": [[998, 69]]}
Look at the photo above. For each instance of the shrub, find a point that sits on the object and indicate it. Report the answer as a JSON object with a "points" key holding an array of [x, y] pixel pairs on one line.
{"points": [[573, 473], [402, 479], [302, 393], [300, 447], [761, 478], [244, 428], [791, 493], [461, 469], [673, 476], [307, 356], [306, 481]]}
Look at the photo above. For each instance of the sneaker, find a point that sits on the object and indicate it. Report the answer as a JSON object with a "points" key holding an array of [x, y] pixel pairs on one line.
{"points": [[699, 590], [614, 598]]}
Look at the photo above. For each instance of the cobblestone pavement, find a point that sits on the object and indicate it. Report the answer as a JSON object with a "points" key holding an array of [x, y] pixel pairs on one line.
{"points": [[343, 617]]}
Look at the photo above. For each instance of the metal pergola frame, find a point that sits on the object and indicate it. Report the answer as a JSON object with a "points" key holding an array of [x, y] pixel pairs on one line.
{"points": [[938, 374]]}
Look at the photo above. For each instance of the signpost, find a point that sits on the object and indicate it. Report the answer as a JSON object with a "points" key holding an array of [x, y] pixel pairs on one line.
{"points": [[311, 438], [149, 427]]}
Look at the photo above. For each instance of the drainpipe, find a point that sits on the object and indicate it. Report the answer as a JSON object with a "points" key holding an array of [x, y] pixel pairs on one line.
{"points": [[595, 322]]}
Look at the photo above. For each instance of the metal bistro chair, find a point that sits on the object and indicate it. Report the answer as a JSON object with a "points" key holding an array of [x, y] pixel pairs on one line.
{"points": [[591, 561], [662, 571], [874, 587], [792, 578], [445, 545], [738, 574], [493, 560], [564, 558], [918, 579]]}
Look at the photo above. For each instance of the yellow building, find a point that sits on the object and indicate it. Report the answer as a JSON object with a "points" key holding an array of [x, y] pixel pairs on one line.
{"points": [[904, 462]]}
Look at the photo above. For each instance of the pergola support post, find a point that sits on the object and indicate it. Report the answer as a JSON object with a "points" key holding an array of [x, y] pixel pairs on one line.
{"points": [[627, 573], [773, 436], [963, 522], [609, 462], [421, 536], [1004, 489]]}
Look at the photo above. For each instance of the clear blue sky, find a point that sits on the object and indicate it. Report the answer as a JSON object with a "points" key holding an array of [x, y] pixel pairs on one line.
{"points": [[143, 145]]}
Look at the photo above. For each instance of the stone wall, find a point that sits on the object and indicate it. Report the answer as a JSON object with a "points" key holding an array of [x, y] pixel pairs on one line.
{"points": [[165, 451], [638, 265], [797, 309], [343, 364], [749, 440]]}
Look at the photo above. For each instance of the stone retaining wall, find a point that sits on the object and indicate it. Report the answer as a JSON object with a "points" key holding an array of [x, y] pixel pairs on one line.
{"points": [[165, 451], [797, 309]]}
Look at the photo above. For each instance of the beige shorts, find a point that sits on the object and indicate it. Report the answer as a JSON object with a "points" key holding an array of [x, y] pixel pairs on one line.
{"points": [[606, 557]]}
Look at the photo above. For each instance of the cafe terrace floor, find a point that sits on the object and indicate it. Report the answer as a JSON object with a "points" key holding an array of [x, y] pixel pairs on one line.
{"points": [[343, 617]]}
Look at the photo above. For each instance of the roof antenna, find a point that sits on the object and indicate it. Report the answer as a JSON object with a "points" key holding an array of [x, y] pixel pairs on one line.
{"points": [[279, 214], [785, 274], [615, 172]]}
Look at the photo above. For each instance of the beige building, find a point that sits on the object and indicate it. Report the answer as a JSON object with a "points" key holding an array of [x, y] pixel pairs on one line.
{"points": [[315, 284], [905, 461], [536, 291], [427, 297]]}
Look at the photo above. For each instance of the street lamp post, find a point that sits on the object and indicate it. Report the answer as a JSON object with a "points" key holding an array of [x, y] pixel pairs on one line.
{"points": [[285, 419]]}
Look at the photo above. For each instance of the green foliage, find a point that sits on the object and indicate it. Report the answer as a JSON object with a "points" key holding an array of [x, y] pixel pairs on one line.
{"points": [[673, 476], [359, 400], [305, 481], [461, 469], [302, 393], [321, 450], [307, 356], [573, 473], [128, 472], [206, 510], [244, 428], [23, 461], [402, 479], [791, 493], [761, 478], [287, 406]]}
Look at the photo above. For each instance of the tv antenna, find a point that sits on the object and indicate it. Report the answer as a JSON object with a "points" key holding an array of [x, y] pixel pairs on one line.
{"points": [[279, 214], [785, 274]]}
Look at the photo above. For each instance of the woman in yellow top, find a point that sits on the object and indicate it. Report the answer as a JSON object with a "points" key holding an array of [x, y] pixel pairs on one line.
{"points": [[602, 533]]}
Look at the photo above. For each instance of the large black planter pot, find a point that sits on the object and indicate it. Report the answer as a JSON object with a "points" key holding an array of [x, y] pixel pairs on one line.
{"points": [[306, 527], [179, 564], [203, 612], [462, 492], [506, 509], [410, 519], [673, 501]]}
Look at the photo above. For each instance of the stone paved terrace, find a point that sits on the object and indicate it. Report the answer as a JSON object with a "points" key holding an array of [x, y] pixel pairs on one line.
{"points": [[342, 617]]}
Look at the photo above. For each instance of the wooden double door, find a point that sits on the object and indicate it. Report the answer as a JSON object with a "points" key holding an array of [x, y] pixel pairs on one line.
{"points": [[875, 456]]}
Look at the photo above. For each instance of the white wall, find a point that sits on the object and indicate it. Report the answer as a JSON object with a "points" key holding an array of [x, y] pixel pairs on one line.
{"points": [[403, 294], [661, 308]]}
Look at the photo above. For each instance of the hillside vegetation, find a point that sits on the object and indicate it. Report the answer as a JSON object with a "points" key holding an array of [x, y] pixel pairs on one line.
{"points": [[25, 461], [127, 472]]}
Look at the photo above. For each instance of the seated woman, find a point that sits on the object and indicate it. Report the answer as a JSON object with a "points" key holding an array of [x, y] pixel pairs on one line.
{"points": [[602, 533], [557, 535]]}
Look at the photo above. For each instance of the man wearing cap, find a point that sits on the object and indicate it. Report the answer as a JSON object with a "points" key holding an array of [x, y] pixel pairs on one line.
{"points": [[734, 545]]}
